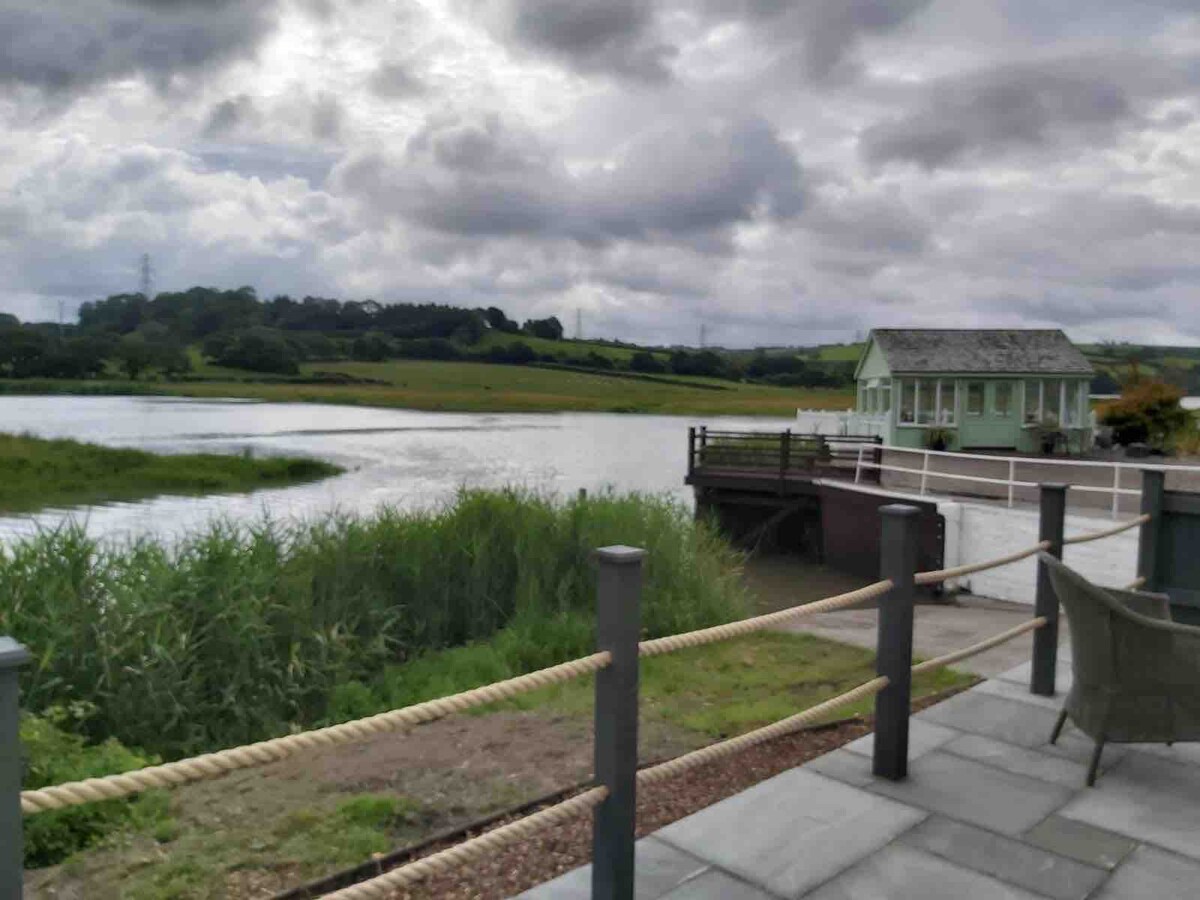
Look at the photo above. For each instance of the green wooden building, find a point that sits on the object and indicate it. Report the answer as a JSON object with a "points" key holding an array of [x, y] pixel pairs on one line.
{"points": [[1002, 389]]}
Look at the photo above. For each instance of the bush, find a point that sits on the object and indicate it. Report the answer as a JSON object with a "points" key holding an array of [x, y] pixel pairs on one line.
{"points": [[259, 350], [645, 361], [236, 634], [1147, 412], [55, 755]]}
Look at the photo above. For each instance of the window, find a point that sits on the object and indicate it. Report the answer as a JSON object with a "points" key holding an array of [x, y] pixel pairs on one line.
{"points": [[1052, 401], [1071, 415], [947, 390], [926, 400], [908, 401], [885, 395], [1002, 399], [975, 393], [1033, 402]]}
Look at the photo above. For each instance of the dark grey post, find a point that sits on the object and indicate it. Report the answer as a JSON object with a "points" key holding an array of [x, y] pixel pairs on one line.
{"points": [[12, 850], [618, 628], [691, 462], [1152, 505], [785, 452], [1053, 506], [893, 655]]}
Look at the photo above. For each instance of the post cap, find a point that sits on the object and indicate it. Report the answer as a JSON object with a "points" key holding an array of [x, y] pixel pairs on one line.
{"points": [[900, 509], [1053, 486], [620, 555], [12, 654]]}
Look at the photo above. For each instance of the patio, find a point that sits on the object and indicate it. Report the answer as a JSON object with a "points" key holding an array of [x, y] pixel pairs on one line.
{"points": [[990, 811]]}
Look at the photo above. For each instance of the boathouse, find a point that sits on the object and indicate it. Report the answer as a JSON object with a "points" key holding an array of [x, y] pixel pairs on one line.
{"points": [[959, 389]]}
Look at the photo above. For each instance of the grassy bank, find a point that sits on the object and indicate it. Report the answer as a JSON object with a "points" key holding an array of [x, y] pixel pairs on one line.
{"points": [[236, 634], [36, 473], [479, 387]]}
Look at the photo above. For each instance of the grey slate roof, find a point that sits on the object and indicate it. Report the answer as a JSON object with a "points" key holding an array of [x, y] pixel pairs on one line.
{"points": [[980, 350]]}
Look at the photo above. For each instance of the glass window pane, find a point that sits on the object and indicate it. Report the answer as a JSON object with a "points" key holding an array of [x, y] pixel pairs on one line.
{"points": [[946, 410], [908, 400], [975, 392], [927, 391], [1052, 401], [885, 395], [1071, 411], [1002, 398], [1033, 400]]}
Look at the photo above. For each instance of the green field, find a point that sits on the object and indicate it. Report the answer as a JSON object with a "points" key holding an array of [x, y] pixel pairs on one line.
{"points": [[36, 473], [477, 387]]}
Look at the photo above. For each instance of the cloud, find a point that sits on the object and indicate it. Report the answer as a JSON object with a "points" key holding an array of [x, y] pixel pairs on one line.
{"points": [[67, 46], [395, 81], [675, 182], [616, 37], [1028, 105]]}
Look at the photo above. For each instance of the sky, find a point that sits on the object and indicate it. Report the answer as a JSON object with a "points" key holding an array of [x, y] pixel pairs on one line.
{"points": [[772, 171]]}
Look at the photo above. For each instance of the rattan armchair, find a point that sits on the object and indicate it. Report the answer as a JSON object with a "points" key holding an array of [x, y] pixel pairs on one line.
{"points": [[1136, 673]]}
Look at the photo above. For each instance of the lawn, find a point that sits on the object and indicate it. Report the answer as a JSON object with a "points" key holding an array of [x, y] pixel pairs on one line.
{"points": [[265, 830], [36, 473]]}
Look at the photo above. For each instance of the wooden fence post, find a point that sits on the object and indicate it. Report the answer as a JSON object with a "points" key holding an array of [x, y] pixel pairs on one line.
{"points": [[1052, 521], [893, 655], [618, 629], [12, 850], [691, 461], [1148, 536]]}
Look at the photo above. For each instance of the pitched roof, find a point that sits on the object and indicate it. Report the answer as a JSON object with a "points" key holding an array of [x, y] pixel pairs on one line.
{"points": [[980, 350]]}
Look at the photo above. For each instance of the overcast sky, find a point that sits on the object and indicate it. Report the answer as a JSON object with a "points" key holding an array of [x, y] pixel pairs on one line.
{"points": [[779, 171]]}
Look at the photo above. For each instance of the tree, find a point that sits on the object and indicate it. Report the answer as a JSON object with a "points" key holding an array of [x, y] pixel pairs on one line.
{"points": [[260, 350], [135, 354], [1147, 412], [645, 361], [496, 319], [551, 329]]}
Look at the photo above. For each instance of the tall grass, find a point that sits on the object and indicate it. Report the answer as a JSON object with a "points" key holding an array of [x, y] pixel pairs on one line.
{"points": [[239, 633]]}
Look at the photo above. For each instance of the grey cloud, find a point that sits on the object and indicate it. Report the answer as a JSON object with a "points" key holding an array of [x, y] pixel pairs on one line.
{"points": [[62, 46], [394, 81], [229, 115], [615, 37], [1023, 106], [672, 183], [328, 114]]}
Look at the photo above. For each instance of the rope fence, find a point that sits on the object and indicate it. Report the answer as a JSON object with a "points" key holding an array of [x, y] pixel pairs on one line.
{"points": [[975, 649], [1106, 532], [1138, 582], [214, 765], [474, 849], [938, 575]]}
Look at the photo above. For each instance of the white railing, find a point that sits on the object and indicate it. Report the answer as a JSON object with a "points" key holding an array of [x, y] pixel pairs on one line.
{"points": [[832, 423], [1011, 483]]}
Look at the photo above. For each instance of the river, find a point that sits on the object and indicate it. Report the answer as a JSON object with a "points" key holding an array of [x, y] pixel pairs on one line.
{"points": [[404, 458]]}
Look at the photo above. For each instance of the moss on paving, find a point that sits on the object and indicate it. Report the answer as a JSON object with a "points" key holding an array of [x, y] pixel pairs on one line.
{"points": [[37, 473]]}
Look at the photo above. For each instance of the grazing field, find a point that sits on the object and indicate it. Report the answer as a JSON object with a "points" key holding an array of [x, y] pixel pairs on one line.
{"points": [[36, 473], [477, 387]]}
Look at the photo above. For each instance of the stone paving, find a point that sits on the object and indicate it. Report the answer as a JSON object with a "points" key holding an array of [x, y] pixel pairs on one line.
{"points": [[990, 811]]}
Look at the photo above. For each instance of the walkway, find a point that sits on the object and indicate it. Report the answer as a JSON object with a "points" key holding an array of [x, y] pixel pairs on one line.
{"points": [[990, 811]]}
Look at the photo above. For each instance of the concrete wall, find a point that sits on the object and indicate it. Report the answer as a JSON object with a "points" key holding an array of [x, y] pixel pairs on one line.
{"points": [[976, 532]]}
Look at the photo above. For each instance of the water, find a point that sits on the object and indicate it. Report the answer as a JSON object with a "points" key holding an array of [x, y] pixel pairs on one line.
{"points": [[404, 458]]}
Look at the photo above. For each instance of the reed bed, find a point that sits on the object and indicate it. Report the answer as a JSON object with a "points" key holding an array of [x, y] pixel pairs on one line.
{"points": [[242, 632]]}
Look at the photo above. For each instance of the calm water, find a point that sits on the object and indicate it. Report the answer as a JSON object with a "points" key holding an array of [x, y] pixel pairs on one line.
{"points": [[399, 457]]}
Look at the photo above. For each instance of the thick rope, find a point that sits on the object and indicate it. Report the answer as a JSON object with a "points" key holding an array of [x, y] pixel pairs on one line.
{"points": [[469, 851], [713, 752], [214, 765], [1135, 584], [1107, 532], [974, 649], [758, 623], [942, 574]]}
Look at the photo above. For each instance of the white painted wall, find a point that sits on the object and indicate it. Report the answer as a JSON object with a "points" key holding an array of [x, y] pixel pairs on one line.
{"points": [[976, 532]]}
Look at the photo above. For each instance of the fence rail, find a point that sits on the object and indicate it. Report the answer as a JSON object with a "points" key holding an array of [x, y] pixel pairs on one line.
{"points": [[612, 800]]}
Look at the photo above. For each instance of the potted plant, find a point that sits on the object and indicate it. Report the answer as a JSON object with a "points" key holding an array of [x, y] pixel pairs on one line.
{"points": [[1049, 436], [938, 438]]}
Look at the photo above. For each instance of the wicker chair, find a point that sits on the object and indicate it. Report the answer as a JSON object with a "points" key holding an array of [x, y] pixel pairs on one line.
{"points": [[1136, 673]]}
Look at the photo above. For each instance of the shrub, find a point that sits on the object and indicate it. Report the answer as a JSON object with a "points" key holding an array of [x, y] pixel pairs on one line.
{"points": [[645, 361], [55, 755], [1148, 411]]}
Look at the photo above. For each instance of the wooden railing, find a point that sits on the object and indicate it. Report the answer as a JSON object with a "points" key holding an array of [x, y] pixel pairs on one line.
{"points": [[783, 453]]}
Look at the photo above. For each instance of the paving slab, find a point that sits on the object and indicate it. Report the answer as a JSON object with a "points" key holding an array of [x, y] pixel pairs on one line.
{"points": [[661, 869], [1022, 673], [1012, 690], [1020, 760], [922, 737], [1147, 798], [1080, 841], [713, 884], [976, 793], [844, 766], [1004, 858], [905, 873], [1014, 722], [1153, 874], [792, 832]]}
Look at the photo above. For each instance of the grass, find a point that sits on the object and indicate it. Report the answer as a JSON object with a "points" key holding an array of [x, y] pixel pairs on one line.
{"points": [[481, 387], [36, 473], [235, 634]]}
